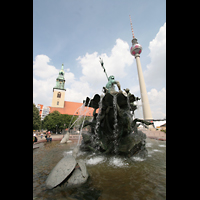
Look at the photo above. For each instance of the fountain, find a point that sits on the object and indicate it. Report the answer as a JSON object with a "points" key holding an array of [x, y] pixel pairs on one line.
{"points": [[113, 144], [69, 172], [113, 130]]}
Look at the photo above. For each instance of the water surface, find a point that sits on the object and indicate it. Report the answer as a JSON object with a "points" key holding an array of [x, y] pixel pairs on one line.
{"points": [[111, 177]]}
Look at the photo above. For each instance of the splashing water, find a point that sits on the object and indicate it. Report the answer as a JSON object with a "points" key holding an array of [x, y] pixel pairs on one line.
{"points": [[83, 122], [115, 123], [115, 115], [138, 112], [81, 110], [97, 126], [95, 160], [128, 102], [79, 117], [98, 116]]}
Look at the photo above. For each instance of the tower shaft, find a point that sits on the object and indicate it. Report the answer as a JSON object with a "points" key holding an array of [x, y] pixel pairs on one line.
{"points": [[145, 102], [136, 50]]}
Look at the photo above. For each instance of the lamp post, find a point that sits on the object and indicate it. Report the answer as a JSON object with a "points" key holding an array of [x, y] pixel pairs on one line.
{"points": [[56, 128]]}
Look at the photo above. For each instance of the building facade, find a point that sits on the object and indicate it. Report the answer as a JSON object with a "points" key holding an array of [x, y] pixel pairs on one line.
{"points": [[43, 110]]}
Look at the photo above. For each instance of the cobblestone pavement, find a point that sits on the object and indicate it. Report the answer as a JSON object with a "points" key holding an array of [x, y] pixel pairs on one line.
{"points": [[159, 135]]}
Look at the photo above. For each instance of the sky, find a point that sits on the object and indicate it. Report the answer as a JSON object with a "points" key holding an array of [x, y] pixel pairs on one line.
{"points": [[77, 32]]}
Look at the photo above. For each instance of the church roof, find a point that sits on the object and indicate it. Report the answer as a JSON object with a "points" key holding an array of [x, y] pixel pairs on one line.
{"points": [[73, 108]]}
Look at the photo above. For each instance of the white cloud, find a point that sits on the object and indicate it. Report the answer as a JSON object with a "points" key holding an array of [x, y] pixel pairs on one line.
{"points": [[119, 59], [115, 64], [157, 101], [156, 71], [69, 77], [91, 70], [42, 69], [78, 91], [118, 63], [44, 76], [44, 79], [74, 95], [135, 89], [42, 91], [92, 79]]}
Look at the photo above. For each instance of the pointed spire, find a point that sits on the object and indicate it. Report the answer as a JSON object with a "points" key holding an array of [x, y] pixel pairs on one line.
{"points": [[131, 26], [60, 81], [61, 72]]}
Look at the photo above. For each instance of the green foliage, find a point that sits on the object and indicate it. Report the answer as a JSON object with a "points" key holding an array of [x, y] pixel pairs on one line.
{"points": [[55, 118], [36, 118], [164, 131]]}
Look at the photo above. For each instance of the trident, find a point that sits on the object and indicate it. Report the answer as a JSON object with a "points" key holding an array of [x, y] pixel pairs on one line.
{"points": [[101, 61]]}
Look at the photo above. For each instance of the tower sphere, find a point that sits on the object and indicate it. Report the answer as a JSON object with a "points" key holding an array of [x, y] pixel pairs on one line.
{"points": [[136, 49]]}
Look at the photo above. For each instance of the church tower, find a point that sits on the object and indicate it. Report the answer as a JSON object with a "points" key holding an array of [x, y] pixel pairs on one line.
{"points": [[59, 91]]}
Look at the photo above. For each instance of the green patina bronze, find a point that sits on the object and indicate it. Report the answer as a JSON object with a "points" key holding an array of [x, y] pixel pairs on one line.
{"points": [[113, 129], [60, 81], [110, 86]]}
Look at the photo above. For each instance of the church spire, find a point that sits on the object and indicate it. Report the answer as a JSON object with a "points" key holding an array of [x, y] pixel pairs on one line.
{"points": [[60, 81]]}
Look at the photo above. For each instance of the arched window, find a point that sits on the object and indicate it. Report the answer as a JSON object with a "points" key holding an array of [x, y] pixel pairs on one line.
{"points": [[59, 95]]}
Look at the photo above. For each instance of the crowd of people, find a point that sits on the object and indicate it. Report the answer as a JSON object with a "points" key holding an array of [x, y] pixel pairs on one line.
{"points": [[47, 136]]}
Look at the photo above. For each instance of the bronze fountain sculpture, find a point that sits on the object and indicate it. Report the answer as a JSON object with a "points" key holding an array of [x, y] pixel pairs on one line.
{"points": [[112, 131]]}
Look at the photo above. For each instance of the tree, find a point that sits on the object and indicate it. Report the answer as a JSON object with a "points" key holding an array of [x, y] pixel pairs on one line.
{"points": [[68, 120], [55, 118], [36, 118], [50, 121]]}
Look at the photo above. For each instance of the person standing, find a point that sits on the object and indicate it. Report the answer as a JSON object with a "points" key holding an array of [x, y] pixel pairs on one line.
{"points": [[46, 134], [49, 136], [34, 138]]}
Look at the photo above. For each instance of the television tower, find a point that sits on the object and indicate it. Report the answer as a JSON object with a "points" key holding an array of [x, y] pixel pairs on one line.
{"points": [[136, 50]]}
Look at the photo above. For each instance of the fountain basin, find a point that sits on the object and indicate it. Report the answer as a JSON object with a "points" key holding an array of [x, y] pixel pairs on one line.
{"points": [[111, 176]]}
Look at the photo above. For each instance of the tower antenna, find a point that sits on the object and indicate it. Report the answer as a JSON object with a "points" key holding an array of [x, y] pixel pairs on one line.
{"points": [[131, 26]]}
